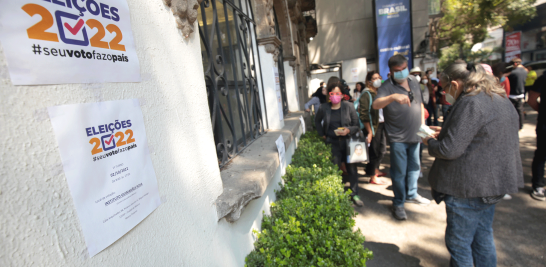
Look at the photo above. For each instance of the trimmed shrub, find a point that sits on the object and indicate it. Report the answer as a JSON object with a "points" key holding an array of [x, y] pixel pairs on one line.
{"points": [[311, 222]]}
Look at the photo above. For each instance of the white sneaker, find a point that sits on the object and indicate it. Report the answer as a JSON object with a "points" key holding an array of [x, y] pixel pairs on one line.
{"points": [[507, 197], [419, 200]]}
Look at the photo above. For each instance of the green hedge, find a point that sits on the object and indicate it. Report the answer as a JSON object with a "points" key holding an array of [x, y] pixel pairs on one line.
{"points": [[311, 222]]}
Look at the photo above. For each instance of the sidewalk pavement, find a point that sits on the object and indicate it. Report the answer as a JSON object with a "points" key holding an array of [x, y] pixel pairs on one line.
{"points": [[519, 226]]}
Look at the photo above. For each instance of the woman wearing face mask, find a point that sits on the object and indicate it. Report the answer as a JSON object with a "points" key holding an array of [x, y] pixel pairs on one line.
{"points": [[337, 115], [477, 161], [358, 90], [374, 125], [431, 105], [318, 98]]}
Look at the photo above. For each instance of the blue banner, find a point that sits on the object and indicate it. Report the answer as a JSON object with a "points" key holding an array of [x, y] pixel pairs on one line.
{"points": [[393, 32]]}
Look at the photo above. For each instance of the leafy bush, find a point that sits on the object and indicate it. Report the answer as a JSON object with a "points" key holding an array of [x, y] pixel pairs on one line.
{"points": [[311, 222]]}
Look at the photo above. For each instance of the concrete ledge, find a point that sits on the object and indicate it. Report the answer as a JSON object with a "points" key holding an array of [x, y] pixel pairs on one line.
{"points": [[247, 176]]}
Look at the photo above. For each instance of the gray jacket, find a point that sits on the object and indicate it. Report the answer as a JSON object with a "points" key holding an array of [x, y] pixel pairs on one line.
{"points": [[477, 151], [348, 118]]}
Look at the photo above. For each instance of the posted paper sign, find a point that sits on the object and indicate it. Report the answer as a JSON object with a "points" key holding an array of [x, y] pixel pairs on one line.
{"points": [[108, 168], [302, 124], [281, 149], [278, 90], [68, 41], [354, 75]]}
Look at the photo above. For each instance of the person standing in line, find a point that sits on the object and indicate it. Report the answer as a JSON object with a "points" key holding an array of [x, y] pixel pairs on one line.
{"points": [[530, 80], [426, 99], [401, 101], [539, 90], [416, 72], [517, 87], [358, 90], [316, 100], [445, 105], [333, 116], [477, 161], [374, 124], [431, 106], [498, 72]]}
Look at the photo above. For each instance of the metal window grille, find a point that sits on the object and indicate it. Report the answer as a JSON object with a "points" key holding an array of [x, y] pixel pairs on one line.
{"points": [[280, 64], [227, 33]]}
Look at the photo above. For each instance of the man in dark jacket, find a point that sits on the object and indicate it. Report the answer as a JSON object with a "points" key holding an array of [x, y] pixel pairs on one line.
{"points": [[517, 87]]}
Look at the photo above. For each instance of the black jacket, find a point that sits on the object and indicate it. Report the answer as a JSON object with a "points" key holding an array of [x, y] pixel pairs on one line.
{"points": [[348, 117]]}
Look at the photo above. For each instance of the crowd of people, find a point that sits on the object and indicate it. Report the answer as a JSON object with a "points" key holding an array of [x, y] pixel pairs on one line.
{"points": [[476, 150]]}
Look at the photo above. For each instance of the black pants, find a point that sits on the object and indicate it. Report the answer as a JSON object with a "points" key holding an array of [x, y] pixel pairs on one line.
{"points": [[339, 154], [518, 104], [377, 150], [540, 157], [432, 112]]}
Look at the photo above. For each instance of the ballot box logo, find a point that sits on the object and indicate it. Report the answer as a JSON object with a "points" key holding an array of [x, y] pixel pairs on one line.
{"points": [[108, 142], [106, 137], [73, 19]]}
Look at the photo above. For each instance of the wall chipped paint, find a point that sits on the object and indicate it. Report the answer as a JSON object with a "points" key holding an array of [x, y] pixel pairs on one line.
{"points": [[38, 222]]}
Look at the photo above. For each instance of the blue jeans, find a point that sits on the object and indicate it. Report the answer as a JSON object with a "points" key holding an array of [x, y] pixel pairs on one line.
{"points": [[405, 169], [469, 232]]}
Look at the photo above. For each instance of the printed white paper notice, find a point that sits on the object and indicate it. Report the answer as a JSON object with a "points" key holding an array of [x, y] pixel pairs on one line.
{"points": [[302, 124], [281, 149], [354, 75], [68, 41], [278, 90], [108, 168]]}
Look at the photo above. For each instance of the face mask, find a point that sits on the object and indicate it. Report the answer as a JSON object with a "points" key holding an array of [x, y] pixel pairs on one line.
{"points": [[425, 81], [449, 98], [377, 83], [324, 86], [401, 76], [335, 99], [502, 79], [418, 78]]}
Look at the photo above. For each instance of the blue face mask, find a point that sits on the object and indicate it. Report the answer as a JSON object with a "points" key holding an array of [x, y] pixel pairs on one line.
{"points": [[400, 76], [502, 79]]}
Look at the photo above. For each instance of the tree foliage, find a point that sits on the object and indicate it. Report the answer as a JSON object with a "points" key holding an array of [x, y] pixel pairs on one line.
{"points": [[465, 22], [468, 20]]}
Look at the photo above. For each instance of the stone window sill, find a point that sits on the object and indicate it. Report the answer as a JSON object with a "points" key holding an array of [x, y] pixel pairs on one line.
{"points": [[247, 176]]}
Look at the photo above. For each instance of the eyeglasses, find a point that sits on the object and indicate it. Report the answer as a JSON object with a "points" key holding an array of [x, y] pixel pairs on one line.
{"points": [[335, 93], [410, 95]]}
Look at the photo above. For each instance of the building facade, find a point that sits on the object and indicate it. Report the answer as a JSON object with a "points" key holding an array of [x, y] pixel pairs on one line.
{"points": [[347, 38], [221, 81]]}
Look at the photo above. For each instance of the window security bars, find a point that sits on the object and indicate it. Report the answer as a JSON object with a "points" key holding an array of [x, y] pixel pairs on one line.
{"points": [[227, 33]]}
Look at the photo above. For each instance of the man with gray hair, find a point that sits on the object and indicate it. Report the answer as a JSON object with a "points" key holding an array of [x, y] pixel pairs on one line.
{"points": [[402, 103]]}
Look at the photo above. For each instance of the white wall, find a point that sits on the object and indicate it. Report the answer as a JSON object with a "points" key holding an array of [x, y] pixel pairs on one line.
{"points": [[291, 87], [362, 69], [39, 225], [268, 76], [320, 77]]}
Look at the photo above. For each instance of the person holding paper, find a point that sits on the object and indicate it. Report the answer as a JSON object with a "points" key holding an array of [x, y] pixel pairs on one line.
{"points": [[477, 161], [335, 122], [374, 125], [401, 101]]}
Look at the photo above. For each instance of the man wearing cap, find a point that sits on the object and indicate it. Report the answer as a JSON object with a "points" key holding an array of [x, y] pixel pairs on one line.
{"points": [[416, 71], [517, 87]]}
